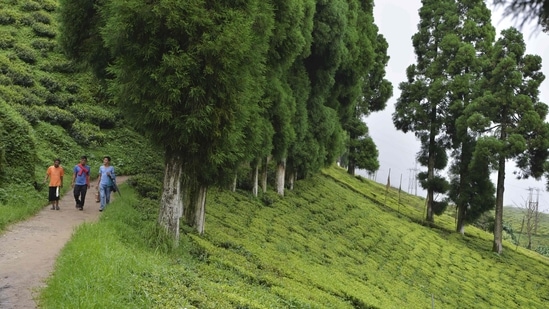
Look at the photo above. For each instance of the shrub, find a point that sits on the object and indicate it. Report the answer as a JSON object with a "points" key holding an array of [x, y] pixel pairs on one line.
{"points": [[56, 115], [41, 17], [8, 17], [43, 30], [18, 144], [29, 113], [20, 77], [25, 54], [55, 142], [50, 84], [86, 134], [43, 45], [72, 88], [49, 6], [56, 99], [4, 80], [146, 185], [30, 6], [4, 64], [6, 40], [30, 99], [94, 114], [40, 93], [26, 20], [10, 93]]}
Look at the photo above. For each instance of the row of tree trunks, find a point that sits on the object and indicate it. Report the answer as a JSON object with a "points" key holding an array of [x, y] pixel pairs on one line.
{"points": [[195, 213]]}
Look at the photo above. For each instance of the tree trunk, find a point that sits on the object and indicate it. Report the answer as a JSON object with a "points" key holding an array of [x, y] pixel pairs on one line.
{"points": [[264, 174], [234, 182], [195, 198], [171, 201], [351, 166], [200, 206], [498, 224], [280, 176], [431, 166], [462, 212], [291, 180], [255, 179], [461, 202], [430, 191]]}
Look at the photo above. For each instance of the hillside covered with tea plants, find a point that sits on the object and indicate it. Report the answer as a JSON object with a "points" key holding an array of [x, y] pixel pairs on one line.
{"points": [[334, 242], [50, 107]]}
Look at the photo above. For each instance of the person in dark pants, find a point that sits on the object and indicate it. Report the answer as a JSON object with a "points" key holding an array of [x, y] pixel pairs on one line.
{"points": [[81, 182], [55, 173]]}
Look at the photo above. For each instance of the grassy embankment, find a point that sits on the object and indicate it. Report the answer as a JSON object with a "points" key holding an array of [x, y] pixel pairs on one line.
{"points": [[330, 243]]}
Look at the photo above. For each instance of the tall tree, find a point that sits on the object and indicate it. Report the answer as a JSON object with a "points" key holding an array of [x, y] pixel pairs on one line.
{"points": [[423, 103], [468, 51], [324, 138], [190, 73], [360, 87], [291, 42], [362, 151], [513, 117]]}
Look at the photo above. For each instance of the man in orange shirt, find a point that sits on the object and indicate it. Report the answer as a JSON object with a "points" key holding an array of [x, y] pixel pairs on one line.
{"points": [[55, 173]]}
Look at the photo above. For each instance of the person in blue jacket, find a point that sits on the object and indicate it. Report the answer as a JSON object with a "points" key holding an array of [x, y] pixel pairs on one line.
{"points": [[105, 182]]}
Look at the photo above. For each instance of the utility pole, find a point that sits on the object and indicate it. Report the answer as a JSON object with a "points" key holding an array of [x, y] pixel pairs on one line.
{"points": [[536, 213], [412, 179], [531, 216]]}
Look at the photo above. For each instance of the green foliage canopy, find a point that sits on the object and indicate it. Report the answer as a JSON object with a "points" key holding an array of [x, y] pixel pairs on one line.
{"points": [[189, 74]]}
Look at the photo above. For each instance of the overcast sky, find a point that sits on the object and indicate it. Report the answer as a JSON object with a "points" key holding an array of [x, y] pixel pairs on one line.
{"points": [[397, 21]]}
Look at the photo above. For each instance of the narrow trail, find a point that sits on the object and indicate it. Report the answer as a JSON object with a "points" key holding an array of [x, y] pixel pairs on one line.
{"points": [[28, 249]]}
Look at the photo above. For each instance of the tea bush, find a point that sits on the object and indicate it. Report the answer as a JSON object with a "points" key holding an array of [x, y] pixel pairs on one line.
{"points": [[31, 6], [87, 134], [43, 45], [8, 17], [146, 185], [55, 142], [25, 54], [43, 30], [95, 114], [41, 17], [19, 145]]}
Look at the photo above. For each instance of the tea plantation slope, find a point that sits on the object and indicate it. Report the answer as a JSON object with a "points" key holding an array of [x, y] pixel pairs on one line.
{"points": [[336, 242]]}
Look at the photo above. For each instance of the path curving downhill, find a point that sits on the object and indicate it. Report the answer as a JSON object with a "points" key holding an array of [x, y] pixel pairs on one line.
{"points": [[28, 249]]}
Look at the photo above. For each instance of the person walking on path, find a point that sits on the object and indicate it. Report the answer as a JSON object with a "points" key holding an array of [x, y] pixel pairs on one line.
{"points": [[81, 182], [29, 250], [105, 182], [55, 173]]}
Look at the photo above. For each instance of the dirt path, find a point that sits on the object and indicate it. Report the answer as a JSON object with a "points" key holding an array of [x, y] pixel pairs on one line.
{"points": [[28, 249]]}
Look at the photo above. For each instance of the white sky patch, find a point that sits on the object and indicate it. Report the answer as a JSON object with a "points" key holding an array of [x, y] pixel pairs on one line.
{"points": [[397, 21]]}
